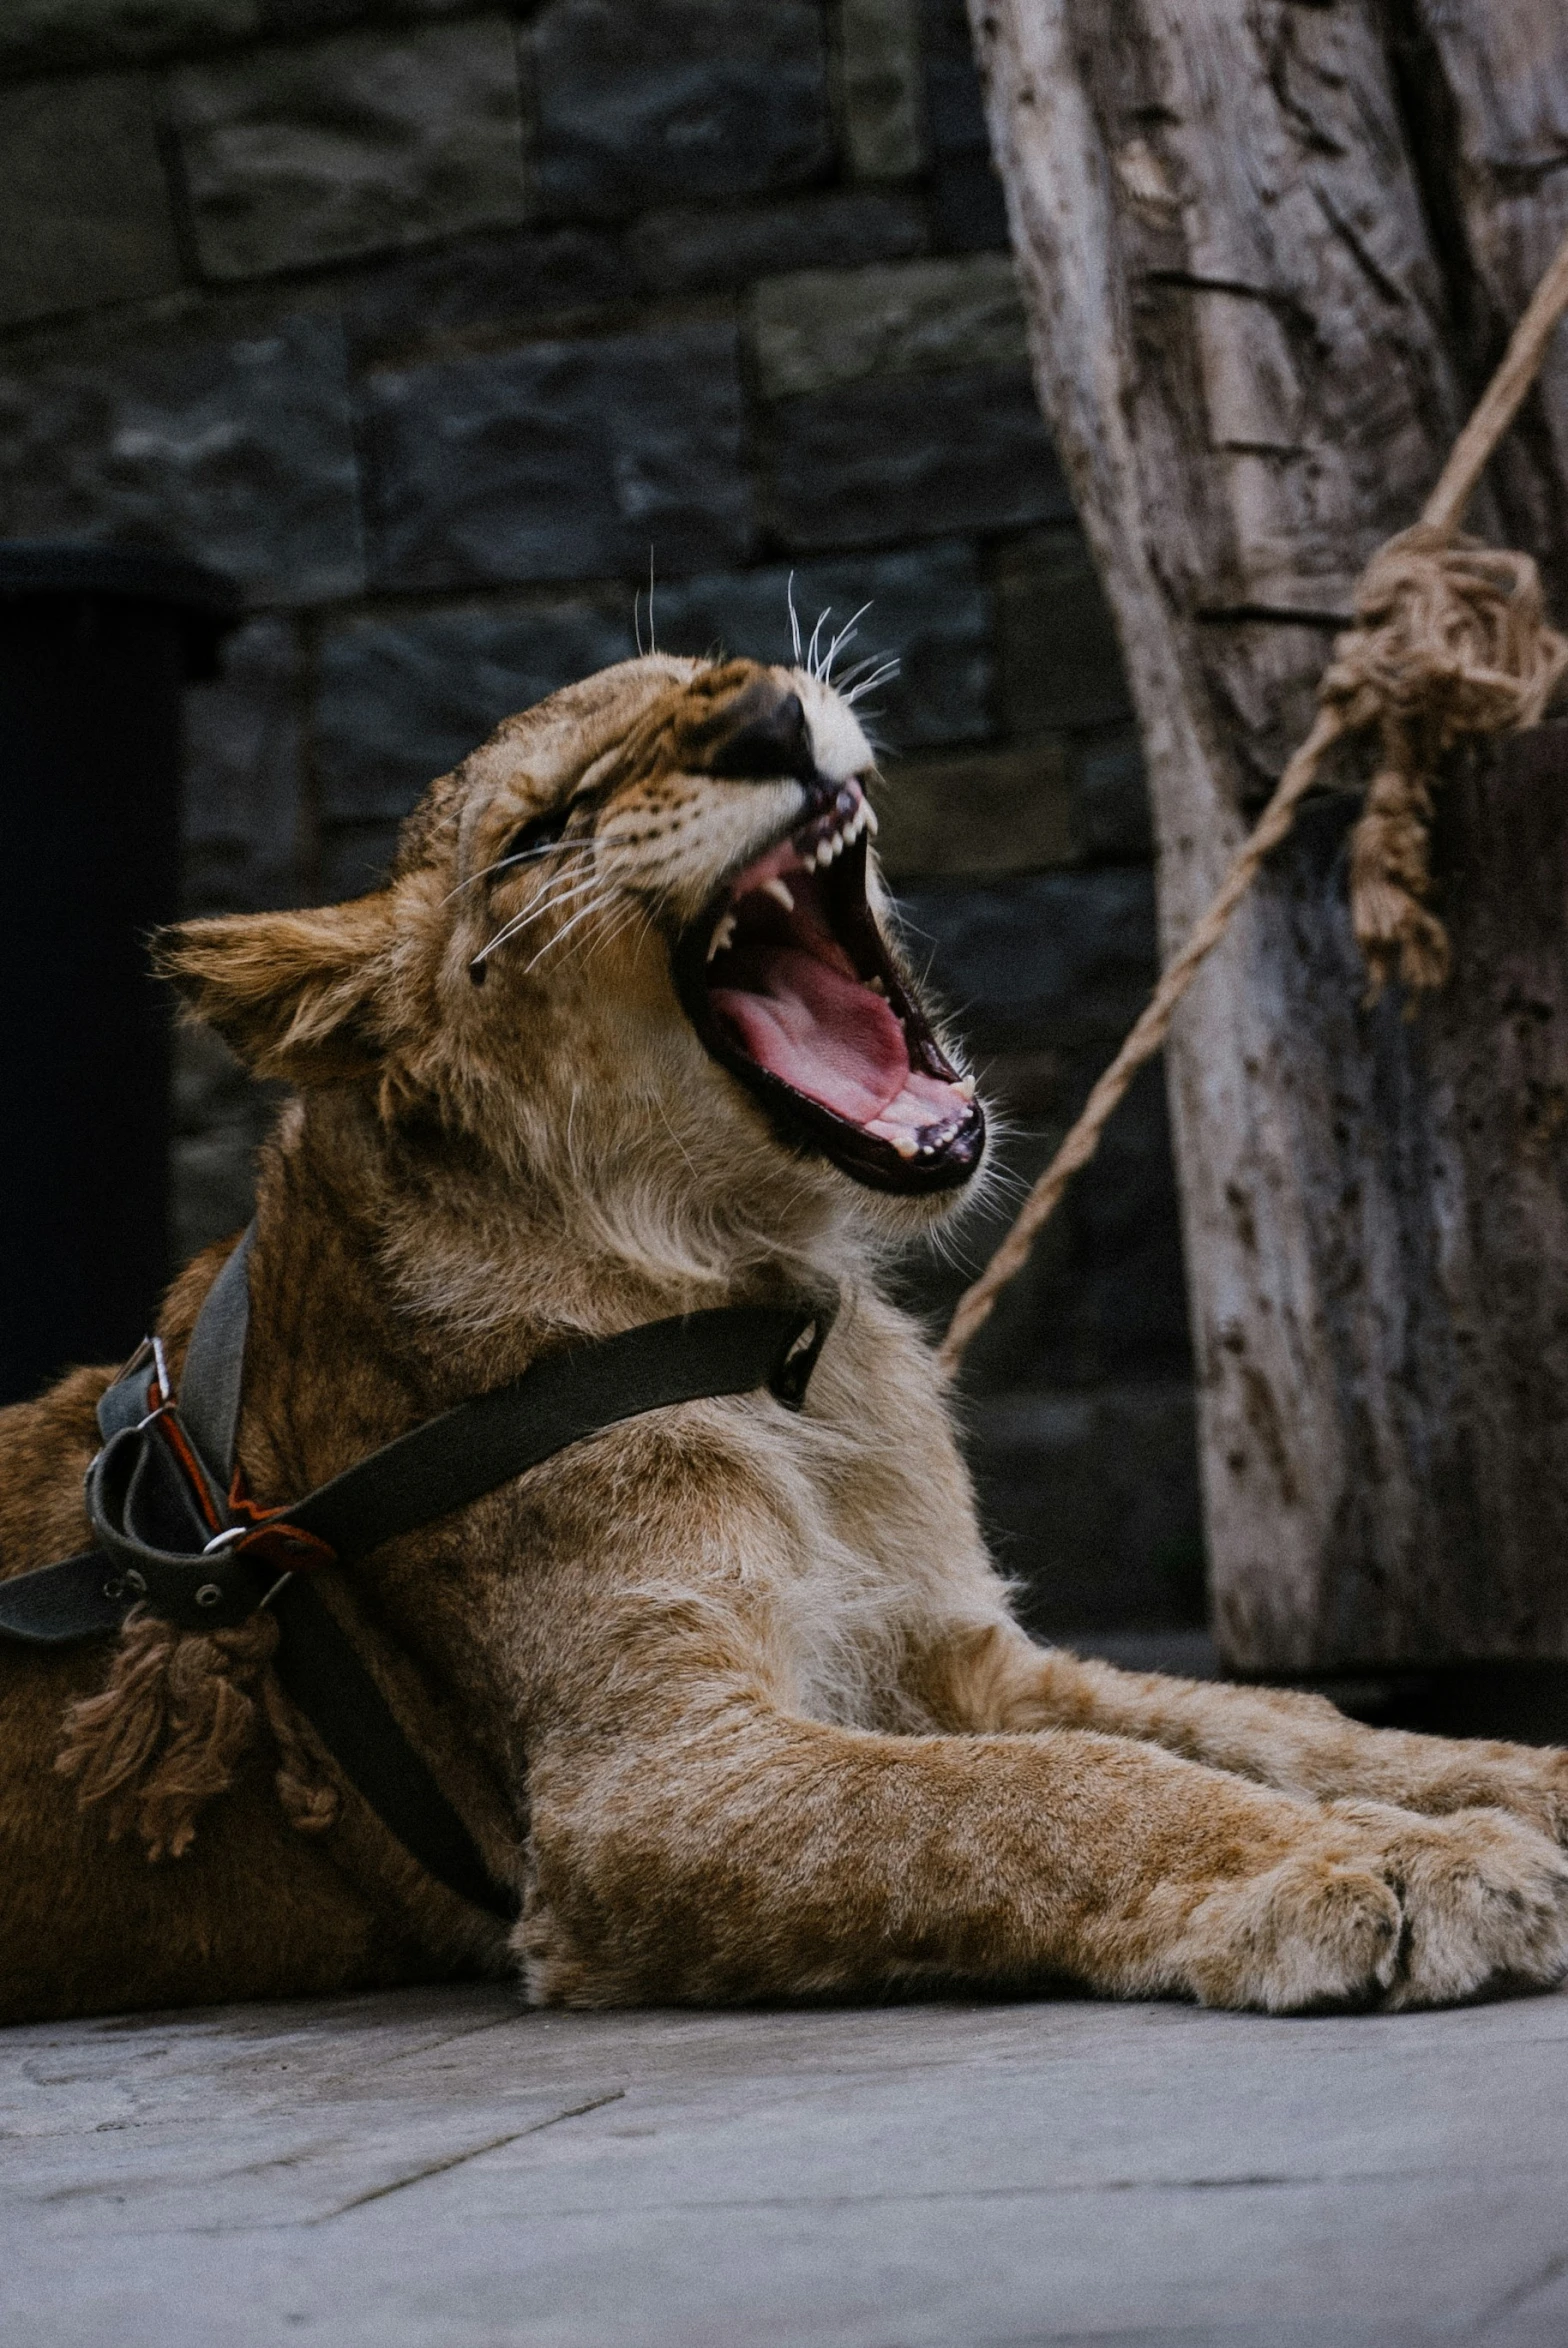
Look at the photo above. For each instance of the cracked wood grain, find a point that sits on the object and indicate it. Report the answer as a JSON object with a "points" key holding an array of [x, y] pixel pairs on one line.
{"points": [[472, 2152]]}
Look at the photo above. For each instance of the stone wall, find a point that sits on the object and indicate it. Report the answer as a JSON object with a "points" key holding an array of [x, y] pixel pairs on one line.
{"points": [[429, 323]]}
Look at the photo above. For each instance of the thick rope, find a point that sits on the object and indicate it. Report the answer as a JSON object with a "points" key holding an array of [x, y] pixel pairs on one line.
{"points": [[1450, 639], [167, 1732]]}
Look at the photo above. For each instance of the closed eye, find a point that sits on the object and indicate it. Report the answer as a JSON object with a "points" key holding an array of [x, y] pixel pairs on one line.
{"points": [[541, 831]]}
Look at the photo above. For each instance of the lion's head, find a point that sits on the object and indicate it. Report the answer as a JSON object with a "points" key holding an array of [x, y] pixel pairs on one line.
{"points": [[644, 913]]}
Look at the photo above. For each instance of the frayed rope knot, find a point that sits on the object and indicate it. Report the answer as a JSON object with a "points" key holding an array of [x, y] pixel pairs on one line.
{"points": [[1451, 641], [167, 1732]]}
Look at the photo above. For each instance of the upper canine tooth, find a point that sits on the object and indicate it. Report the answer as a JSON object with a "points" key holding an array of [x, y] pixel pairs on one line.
{"points": [[779, 889], [871, 819], [966, 1086], [723, 935]]}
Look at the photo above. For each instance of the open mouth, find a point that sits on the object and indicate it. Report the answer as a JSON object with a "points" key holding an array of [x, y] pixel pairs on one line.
{"points": [[789, 984]]}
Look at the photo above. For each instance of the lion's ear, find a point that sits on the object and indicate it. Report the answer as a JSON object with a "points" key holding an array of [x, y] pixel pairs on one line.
{"points": [[292, 992]]}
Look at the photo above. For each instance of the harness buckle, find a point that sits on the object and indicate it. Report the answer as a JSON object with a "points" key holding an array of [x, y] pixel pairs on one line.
{"points": [[227, 1539]]}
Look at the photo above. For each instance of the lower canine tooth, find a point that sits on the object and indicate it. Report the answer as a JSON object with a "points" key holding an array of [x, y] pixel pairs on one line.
{"points": [[905, 1145], [779, 889], [966, 1086]]}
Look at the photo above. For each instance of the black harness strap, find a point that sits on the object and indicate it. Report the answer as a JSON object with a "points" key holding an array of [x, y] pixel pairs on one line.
{"points": [[158, 1502], [213, 1379], [323, 1672]]}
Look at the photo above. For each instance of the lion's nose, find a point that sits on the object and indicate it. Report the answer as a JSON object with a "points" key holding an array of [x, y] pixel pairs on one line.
{"points": [[766, 738]]}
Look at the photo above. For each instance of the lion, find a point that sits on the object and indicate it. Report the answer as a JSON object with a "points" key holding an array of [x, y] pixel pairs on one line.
{"points": [[730, 1696]]}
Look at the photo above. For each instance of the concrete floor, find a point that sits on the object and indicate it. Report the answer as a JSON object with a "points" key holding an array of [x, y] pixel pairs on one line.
{"points": [[439, 2169]]}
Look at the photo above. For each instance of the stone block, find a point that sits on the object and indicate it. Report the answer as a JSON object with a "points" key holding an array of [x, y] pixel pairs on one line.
{"points": [[996, 811], [45, 33], [81, 181], [221, 1116], [676, 100], [560, 460], [1048, 974], [401, 700], [1061, 663], [310, 16], [1102, 1296], [301, 154], [700, 248], [929, 610], [1057, 960], [955, 102], [881, 97], [500, 287], [1112, 821], [911, 456], [1092, 1502], [968, 213], [354, 859], [823, 327], [967, 207], [244, 775], [238, 452]]}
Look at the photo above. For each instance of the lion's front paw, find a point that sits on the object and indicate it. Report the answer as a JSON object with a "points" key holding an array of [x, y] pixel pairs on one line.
{"points": [[1485, 1899], [1385, 1909], [1308, 1933]]}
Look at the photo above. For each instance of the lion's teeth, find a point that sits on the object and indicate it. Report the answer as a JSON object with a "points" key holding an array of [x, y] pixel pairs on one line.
{"points": [[723, 936], [966, 1086], [876, 986], [904, 1143], [779, 889], [871, 819]]}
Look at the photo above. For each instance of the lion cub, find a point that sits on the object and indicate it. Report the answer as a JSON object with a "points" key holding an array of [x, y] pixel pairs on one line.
{"points": [[731, 1695]]}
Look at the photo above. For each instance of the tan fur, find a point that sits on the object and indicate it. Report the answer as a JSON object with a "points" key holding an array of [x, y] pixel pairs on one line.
{"points": [[733, 1696]]}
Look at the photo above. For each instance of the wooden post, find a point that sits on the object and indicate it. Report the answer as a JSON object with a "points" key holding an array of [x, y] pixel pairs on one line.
{"points": [[1269, 256]]}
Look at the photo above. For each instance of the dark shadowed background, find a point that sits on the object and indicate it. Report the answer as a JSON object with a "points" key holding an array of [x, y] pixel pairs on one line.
{"points": [[425, 323]]}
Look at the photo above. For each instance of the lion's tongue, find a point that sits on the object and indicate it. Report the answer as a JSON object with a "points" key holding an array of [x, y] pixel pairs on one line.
{"points": [[823, 1033]]}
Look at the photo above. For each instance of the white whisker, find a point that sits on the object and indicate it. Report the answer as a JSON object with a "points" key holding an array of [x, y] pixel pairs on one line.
{"points": [[524, 856], [878, 676], [794, 617], [594, 905], [584, 885], [816, 634], [846, 635]]}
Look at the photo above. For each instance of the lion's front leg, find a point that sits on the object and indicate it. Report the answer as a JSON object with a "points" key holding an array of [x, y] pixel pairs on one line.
{"points": [[752, 1854], [996, 1678]]}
